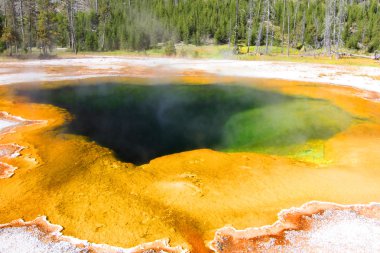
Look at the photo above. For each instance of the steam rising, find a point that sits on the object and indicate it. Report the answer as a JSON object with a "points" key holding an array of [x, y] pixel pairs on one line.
{"points": [[142, 122]]}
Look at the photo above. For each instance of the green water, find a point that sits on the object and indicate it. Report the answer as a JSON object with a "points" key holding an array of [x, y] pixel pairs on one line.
{"points": [[284, 129], [142, 122]]}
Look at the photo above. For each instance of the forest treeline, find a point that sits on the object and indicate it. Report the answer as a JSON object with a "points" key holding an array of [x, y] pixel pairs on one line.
{"points": [[103, 25]]}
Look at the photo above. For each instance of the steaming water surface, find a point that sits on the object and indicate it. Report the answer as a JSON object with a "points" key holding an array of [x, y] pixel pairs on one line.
{"points": [[142, 122]]}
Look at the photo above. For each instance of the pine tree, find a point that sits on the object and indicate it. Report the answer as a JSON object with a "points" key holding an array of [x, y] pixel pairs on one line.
{"points": [[143, 24], [10, 35], [46, 25]]}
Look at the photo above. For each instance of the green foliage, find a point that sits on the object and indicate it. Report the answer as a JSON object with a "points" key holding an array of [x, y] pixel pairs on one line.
{"points": [[374, 45], [62, 24], [353, 42], [91, 41], [46, 25], [10, 37], [170, 48], [2, 19], [143, 24], [2, 43]]}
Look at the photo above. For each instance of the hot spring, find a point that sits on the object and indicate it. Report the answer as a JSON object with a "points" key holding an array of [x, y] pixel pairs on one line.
{"points": [[142, 122]]}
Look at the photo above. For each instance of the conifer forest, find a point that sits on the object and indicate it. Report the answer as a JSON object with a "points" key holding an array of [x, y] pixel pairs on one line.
{"points": [[137, 25]]}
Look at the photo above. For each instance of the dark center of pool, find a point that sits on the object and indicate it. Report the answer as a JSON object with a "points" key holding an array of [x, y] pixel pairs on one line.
{"points": [[141, 122]]}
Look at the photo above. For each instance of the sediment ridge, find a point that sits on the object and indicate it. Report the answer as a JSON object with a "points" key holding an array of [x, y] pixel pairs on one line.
{"points": [[8, 123], [314, 227], [40, 235]]}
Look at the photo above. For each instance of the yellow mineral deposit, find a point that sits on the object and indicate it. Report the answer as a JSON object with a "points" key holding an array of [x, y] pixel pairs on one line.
{"points": [[185, 197]]}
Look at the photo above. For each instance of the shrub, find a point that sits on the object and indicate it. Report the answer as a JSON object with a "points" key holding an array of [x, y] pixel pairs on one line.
{"points": [[2, 46], [374, 45], [170, 48], [353, 42]]}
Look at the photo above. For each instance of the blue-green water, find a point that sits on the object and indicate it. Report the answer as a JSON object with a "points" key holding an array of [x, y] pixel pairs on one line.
{"points": [[141, 122]]}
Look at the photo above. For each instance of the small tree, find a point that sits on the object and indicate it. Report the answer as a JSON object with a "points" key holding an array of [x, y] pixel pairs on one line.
{"points": [[46, 25], [170, 48], [10, 38]]}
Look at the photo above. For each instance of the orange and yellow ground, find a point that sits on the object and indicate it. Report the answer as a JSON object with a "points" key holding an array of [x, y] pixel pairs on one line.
{"points": [[187, 196]]}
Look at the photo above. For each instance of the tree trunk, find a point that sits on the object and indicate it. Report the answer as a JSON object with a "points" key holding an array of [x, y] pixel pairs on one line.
{"points": [[30, 21], [271, 40], [334, 21], [68, 7], [295, 24], [71, 18], [259, 32], [327, 34], [258, 39], [283, 27], [236, 50], [230, 34], [5, 23], [73, 14], [341, 17], [303, 28], [250, 22], [316, 24], [267, 27], [22, 20], [288, 32]]}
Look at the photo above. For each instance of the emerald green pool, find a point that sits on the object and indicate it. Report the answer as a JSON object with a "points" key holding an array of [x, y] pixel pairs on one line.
{"points": [[142, 122]]}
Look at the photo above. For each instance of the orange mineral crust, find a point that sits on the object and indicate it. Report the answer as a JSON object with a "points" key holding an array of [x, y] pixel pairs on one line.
{"points": [[314, 227], [9, 124], [185, 196], [9, 151], [43, 237]]}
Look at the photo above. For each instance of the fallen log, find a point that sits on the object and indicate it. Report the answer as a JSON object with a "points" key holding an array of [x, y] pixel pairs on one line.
{"points": [[376, 56]]}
